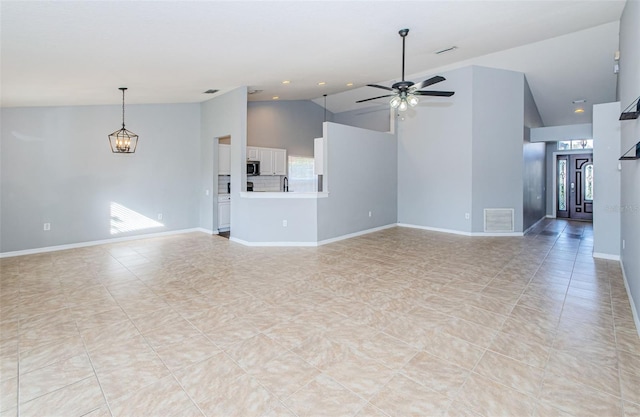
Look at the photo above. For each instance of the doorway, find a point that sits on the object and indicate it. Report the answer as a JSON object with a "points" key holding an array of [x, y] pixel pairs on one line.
{"points": [[574, 186]]}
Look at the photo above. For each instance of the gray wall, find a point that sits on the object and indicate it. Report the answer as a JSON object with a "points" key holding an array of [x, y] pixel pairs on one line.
{"points": [[376, 118], [606, 202], [361, 176], [497, 130], [629, 86], [534, 169], [57, 167], [291, 125], [434, 158], [222, 116], [550, 148]]}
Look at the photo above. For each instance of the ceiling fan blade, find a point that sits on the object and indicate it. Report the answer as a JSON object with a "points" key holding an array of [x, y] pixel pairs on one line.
{"points": [[430, 81], [434, 93], [380, 86], [374, 98]]}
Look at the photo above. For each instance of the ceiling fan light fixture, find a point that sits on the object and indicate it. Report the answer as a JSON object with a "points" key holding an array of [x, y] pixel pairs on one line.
{"points": [[395, 102], [412, 100], [403, 105]]}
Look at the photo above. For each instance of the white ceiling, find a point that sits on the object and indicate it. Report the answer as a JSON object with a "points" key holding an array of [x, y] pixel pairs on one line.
{"points": [[78, 53]]}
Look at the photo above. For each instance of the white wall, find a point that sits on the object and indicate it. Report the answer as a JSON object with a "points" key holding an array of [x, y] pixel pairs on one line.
{"points": [[361, 177], [565, 132], [606, 202], [629, 87], [57, 167], [434, 158]]}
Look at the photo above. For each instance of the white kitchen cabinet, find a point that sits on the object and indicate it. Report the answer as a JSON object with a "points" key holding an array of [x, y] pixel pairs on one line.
{"points": [[272, 161], [224, 212], [279, 162], [224, 159], [253, 153], [266, 161]]}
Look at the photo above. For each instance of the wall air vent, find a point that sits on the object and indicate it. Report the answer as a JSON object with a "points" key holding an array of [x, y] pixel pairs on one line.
{"points": [[498, 220], [211, 91]]}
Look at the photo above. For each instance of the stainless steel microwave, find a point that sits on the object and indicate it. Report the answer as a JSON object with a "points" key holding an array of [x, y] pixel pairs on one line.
{"points": [[253, 168]]}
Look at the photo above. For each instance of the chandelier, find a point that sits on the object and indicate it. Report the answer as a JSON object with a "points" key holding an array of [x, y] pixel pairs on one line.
{"points": [[123, 140]]}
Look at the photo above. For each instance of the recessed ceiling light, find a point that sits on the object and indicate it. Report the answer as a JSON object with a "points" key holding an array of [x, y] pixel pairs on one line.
{"points": [[286, 82], [579, 110], [275, 98], [321, 83], [349, 84], [582, 100]]}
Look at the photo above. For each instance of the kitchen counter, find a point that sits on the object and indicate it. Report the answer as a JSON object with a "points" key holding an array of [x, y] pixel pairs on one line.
{"points": [[281, 194]]}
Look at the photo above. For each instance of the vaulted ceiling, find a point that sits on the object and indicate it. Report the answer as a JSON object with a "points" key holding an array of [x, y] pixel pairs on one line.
{"points": [[78, 53]]}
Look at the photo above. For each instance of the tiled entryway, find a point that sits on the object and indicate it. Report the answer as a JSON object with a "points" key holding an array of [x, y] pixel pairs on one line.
{"points": [[396, 323]]}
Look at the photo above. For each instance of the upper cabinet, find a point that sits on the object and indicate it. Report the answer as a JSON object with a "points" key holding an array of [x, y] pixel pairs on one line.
{"points": [[224, 159], [253, 153], [272, 161]]}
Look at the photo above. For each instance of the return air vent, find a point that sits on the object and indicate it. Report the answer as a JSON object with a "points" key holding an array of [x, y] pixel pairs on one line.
{"points": [[211, 91], [498, 220]]}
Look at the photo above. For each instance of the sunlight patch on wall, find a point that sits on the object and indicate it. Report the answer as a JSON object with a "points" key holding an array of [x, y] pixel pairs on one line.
{"points": [[124, 220]]}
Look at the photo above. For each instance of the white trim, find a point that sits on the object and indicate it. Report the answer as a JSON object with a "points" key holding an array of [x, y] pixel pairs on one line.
{"points": [[550, 216], [634, 312], [272, 244], [435, 229], [100, 242], [307, 244], [269, 194], [459, 232], [606, 256], [360, 233], [534, 225]]}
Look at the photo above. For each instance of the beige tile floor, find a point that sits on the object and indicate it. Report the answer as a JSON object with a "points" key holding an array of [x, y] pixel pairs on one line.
{"points": [[397, 323]]}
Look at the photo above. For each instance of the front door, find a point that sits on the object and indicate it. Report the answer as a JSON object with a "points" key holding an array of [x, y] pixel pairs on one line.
{"points": [[575, 186]]}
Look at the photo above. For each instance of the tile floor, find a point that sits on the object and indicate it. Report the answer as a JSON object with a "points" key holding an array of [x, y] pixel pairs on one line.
{"points": [[401, 322]]}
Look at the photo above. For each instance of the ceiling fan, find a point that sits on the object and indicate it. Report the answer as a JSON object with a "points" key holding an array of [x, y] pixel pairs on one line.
{"points": [[405, 92]]}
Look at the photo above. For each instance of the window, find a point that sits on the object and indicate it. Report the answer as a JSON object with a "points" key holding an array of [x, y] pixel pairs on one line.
{"points": [[562, 184], [565, 145], [301, 177], [588, 182]]}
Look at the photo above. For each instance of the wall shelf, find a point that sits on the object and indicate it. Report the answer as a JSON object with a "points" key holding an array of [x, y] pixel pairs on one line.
{"points": [[632, 111], [630, 154]]}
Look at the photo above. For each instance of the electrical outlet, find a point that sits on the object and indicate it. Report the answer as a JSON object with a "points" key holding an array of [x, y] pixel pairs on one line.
{"points": [[467, 216], [159, 216], [369, 214], [284, 223], [47, 227]]}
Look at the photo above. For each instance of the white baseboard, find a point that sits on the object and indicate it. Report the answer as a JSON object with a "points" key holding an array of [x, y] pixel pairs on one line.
{"points": [[434, 229], [360, 233], [606, 256], [308, 244], [634, 311], [101, 242], [533, 225], [272, 244], [459, 232]]}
